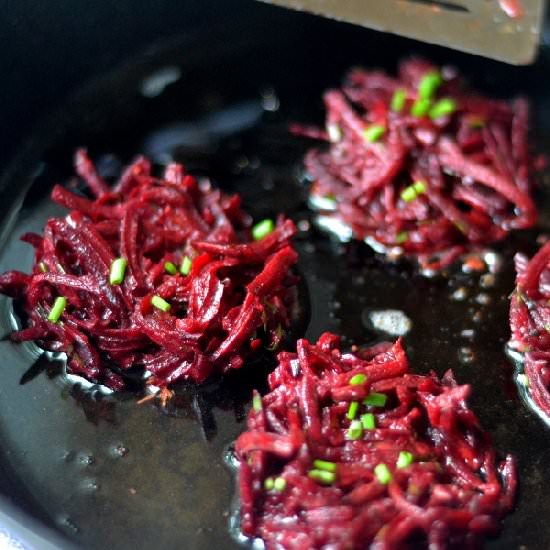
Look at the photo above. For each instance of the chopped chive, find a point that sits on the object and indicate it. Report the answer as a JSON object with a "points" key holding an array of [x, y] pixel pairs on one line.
{"points": [[383, 474], [334, 132], [419, 187], [523, 380], [43, 267], [269, 483], [429, 85], [369, 421], [355, 430], [420, 107], [373, 133], [257, 402], [118, 269], [325, 465], [398, 100], [404, 459], [375, 399], [409, 194], [160, 303], [326, 478], [358, 379], [279, 484], [57, 309], [443, 107], [401, 237], [171, 268], [185, 266], [352, 410], [262, 229]]}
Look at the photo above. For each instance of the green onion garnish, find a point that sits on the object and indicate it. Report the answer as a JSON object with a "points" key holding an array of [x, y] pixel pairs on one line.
{"points": [[355, 430], [443, 107], [160, 303], [373, 133], [185, 266], [326, 478], [57, 309], [375, 399], [262, 229], [421, 107], [268, 483], [419, 187], [523, 380], [429, 85], [369, 421], [401, 237], [383, 474], [325, 465], [404, 459], [358, 379], [118, 269], [352, 410], [171, 268], [409, 194], [398, 100], [43, 267], [257, 402], [279, 484]]}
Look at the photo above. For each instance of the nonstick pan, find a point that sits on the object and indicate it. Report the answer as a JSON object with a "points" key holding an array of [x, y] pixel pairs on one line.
{"points": [[104, 472]]}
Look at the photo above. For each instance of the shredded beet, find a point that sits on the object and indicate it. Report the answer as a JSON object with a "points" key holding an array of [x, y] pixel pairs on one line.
{"points": [[421, 165], [350, 450], [530, 323], [198, 295]]}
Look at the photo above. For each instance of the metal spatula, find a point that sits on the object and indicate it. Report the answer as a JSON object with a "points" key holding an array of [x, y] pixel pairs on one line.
{"points": [[507, 30]]}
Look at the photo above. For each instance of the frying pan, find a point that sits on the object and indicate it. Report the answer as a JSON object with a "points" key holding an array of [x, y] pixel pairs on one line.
{"points": [[215, 86]]}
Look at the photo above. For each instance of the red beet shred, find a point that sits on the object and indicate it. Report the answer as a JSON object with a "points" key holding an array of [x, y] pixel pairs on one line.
{"points": [[420, 164], [530, 323], [350, 450], [231, 295]]}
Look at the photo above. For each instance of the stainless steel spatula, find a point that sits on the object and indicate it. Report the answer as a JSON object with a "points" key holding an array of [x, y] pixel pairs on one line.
{"points": [[507, 30]]}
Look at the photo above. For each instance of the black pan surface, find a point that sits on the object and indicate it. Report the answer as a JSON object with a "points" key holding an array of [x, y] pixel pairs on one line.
{"points": [[109, 473]]}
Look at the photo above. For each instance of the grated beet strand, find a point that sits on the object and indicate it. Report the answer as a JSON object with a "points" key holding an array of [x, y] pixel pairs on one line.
{"points": [[472, 161], [237, 295], [530, 321], [450, 492]]}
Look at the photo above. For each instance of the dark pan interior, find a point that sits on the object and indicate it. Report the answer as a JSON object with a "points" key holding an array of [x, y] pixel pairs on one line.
{"points": [[109, 473]]}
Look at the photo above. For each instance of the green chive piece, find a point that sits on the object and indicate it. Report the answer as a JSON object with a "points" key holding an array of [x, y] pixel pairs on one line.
{"points": [[523, 380], [57, 309], [355, 430], [326, 478], [383, 474], [185, 266], [160, 303], [421, 107], [375, 399], [269, 484], [404, 459], [429, 84], [352, 411], [279, 484], [262, 229], [419, 187], [118, 269], [401, 237], [398, 100], [171, 268], [43, 267], [358, 379], [443, 107], [257, 402], [369, 421], [373, 133], [325, 465], [409, 193]]}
